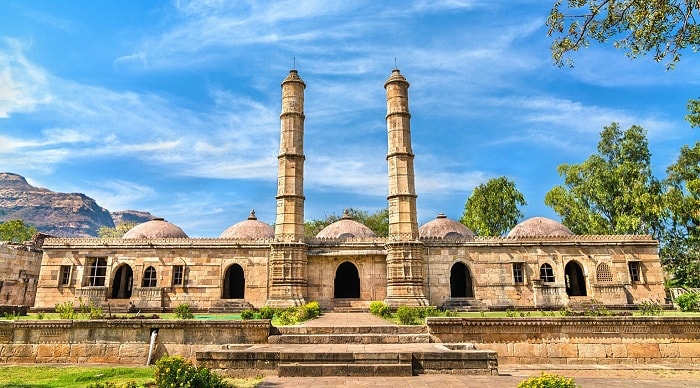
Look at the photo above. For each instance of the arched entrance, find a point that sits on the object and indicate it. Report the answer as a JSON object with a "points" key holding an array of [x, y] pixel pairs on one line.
{"points": [[347, 281], [461, 281], [575, 282], [234, 283], [123, 280]]}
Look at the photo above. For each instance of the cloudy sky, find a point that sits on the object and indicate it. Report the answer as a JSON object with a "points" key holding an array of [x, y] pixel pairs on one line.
{"points": [[172, 107]]}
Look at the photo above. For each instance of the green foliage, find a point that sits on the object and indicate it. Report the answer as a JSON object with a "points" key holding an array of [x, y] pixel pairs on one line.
{"points": [[294, 315], [266, 312], [11, 316], [313, 309], [65, 310], [183, 311], [613, 191], [89, 310], [546, 380], [690, 301], [663, 28], [178, 372], [377, 221], [379, 309], [16, 231], [407, 315], [109, 384], [493, 208], [248, 314], [118, 231], [651, 308], [693, 116]]}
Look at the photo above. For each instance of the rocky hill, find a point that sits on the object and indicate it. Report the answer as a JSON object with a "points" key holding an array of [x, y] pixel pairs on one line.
{"points": [[57, 214]]}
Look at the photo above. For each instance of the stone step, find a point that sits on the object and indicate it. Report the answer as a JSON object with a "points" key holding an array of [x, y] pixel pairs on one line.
{"points": [[349, 339], [353, 370], [338, 330]]}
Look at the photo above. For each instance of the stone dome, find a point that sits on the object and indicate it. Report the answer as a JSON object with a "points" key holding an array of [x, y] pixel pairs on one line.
{"points": [[344, 228], [156, 228], [444, 227], [250, 229], [539, 226]]}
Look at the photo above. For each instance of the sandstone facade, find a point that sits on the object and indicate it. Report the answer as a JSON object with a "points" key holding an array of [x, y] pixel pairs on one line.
{"points": [[19, 274]]}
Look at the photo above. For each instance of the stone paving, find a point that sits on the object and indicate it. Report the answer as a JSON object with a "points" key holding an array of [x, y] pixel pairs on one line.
{"points": [[619, 376]]}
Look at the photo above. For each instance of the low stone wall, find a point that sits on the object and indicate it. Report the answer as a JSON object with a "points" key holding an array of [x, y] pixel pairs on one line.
{"points": [[120, 341], [577, 340]]}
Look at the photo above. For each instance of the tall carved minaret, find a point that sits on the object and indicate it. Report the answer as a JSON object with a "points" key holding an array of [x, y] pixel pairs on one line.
{"points": [[404, 251], [288, 253]]}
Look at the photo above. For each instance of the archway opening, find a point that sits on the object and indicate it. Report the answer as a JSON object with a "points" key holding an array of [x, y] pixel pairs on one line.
{"points": [[461, 281], [234, 283], [347, 281], [123, 280], [575, 282]]}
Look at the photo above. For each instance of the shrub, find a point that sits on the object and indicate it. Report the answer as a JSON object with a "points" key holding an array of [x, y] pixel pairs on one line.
{"points": [[248, 314], [407, 315], [651, 307], [313, 309], [177, 372], [109, 384], [288, 316], [266, 312], [430, 311], [182, 311], [596, 309], [379, 309], [690, 301], [548, 381], [65, 310]]}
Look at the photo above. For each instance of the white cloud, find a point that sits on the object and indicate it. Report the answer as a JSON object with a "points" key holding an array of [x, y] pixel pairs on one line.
{"points": [[22, 85]]}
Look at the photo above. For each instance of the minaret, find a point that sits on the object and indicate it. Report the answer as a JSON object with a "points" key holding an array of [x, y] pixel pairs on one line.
{"points": [[288, 252], [404, 250]]}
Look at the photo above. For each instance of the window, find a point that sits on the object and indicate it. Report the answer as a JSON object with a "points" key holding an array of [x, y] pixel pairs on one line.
{"points": [[97, 271], [149, 277], [603, 274], [634, 271], [178, 275], [518, 276], [546, 273], [64, 278]]}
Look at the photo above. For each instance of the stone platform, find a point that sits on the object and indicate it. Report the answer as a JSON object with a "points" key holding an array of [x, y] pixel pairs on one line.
{"points": [[350, 344]]}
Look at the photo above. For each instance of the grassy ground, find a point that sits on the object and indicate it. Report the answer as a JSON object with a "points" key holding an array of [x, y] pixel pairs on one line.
{"points": [[77, 377]]}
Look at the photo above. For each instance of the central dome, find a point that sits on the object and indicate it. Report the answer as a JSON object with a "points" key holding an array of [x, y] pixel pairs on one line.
{"points": [[443, 227], [346, 227], [539, 227], [250, 229], [156, 228]]}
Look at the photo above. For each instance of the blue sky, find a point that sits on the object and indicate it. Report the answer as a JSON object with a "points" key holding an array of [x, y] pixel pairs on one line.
{"points": [[172, 107]]}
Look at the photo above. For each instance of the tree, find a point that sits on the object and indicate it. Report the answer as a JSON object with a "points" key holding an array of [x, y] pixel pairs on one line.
{"points": [[16, 231], [118, 231], [664, 27], [493, 207], [378, 222], [681, 241], [613, 191]]}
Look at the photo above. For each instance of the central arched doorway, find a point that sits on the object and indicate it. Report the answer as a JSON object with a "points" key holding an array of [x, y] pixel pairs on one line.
{"points": [[461, 281], [575, 281], [347, 281], [123, 280], [234, 283]]}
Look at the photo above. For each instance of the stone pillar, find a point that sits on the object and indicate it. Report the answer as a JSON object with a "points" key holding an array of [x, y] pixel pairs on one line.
{"points": [[404, 251], [287, 276]]}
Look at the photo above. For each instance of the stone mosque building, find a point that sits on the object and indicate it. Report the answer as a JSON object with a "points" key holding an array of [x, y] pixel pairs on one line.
{"points": [[539, 264]]}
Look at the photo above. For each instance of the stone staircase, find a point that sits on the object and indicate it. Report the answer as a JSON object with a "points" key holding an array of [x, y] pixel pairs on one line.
{"points": [[350, 335], [463, 304], [229, 306]]}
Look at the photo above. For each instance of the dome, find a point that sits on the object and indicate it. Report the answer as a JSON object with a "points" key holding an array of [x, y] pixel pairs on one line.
{"points": [[250, 229], [444, 227], [156, 228], [539, 226], [344, 228]]}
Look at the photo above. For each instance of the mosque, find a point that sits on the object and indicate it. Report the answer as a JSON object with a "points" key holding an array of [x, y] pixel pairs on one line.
{"points": [[540, 264]]}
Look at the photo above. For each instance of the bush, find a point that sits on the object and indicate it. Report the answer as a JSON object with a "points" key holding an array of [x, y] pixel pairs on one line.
{"points": [[313, 309], [379, 309], [407, 315], [65, 310], [182, 311], [430, 311], [109, 384], [651, 307], [690, 301], [248, 314], [548, 381], [178, 372], [266, 312], [288, 316]]}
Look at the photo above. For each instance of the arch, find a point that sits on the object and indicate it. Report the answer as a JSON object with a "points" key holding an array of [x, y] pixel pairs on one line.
{"points": [[149, 277], [546, 273], [122, 282], [603, 273], [461, 281], [347, 281], [234, 282], [575, 281]]}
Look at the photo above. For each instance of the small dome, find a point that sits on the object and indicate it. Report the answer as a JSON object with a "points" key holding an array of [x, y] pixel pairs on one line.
{"points": [[156, 228], [344, 228], [250, 229], [539, 226], [444, 227]]}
